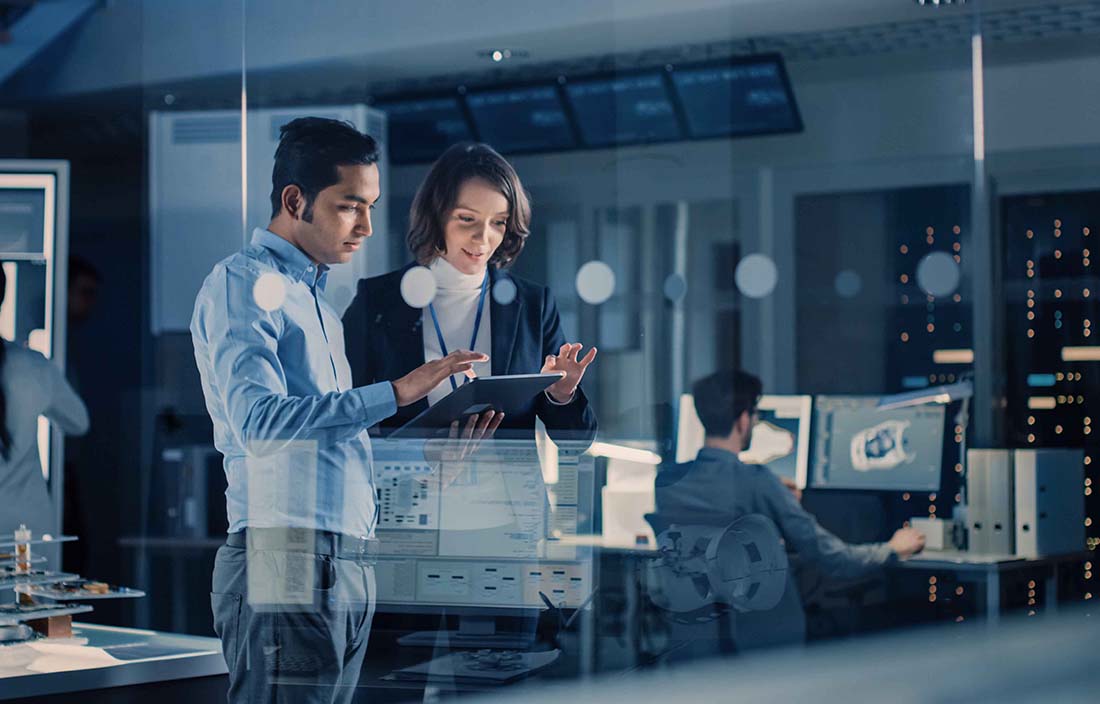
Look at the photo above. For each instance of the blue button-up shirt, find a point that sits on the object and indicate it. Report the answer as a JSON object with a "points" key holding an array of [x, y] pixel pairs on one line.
{"points": [[278, 388]]}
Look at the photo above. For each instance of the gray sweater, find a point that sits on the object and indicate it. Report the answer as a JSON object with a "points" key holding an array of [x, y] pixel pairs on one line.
{"points": [[717, 488]]}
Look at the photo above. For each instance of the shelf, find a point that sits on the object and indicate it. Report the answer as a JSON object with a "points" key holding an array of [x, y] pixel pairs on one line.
{"points": [[52, 592]]}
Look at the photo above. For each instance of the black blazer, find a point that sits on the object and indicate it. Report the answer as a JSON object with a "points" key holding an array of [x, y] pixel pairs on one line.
{"points": [[385, 341]]}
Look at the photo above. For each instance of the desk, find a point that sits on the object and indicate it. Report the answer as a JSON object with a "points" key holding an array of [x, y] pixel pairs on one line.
{"points": [[98, 660], [989, 569], [603, 544]]}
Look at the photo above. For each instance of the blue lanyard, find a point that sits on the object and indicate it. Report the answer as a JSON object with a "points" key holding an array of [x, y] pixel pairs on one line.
{"points": [[477, 326]]}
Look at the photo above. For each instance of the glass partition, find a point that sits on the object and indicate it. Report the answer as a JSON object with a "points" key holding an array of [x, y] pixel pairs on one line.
{"points": [[820, 253]]}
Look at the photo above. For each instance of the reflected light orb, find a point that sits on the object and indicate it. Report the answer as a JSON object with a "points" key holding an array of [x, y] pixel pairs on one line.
{"points": [[938, 274], [269, 292], [595, 282], [756, 276], [418, 286]]}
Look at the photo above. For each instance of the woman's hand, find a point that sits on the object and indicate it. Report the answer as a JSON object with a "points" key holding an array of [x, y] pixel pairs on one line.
{"points": [[566, 361], [448, 454]]}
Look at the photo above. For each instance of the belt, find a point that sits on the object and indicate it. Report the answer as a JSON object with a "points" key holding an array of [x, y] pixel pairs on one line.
{"points": [[319, 542]]}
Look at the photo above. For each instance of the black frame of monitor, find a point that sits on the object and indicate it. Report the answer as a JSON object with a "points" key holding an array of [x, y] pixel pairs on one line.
{"points": [[579, 144]]}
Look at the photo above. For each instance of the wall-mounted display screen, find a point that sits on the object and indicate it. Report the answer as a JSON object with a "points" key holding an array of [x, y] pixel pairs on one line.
{"points": [[421, 129], [749, 96], [623, 110], [528, 119]]}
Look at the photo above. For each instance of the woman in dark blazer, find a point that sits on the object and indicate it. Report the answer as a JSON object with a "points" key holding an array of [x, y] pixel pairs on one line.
{"points": [[468, 223]]}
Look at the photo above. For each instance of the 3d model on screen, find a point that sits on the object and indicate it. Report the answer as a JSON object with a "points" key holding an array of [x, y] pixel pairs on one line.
{"points": [[769, 443], [882, 446], [743, 565]]}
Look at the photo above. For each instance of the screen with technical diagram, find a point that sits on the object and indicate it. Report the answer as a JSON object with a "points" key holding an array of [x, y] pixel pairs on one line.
{"points": [[488, 530], [857, 446]]}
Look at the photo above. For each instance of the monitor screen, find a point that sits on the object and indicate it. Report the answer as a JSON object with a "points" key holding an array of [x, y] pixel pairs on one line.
{"points": [[623, 110], [527, 119], [483, 532], [739, 98], [858, 446], [23, 219], [421, 129], [780, 437]]}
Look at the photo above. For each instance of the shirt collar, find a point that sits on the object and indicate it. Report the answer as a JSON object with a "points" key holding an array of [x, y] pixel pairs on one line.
{"points": [[292, 260], [717, 454]]}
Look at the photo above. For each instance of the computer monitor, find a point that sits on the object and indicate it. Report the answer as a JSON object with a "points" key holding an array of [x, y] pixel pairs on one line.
{"points": [[858, 446], [482, 537], [780, 437]]}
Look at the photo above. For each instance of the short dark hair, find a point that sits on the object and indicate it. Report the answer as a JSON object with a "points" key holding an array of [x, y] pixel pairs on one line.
{"points": [[79, 266], [438, 193], [310, 149], [722, 397]]}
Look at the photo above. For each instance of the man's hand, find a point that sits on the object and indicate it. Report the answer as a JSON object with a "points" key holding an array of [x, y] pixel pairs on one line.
{"points": [[416, 384], [907, 542], [792, 487], [566, 361]]}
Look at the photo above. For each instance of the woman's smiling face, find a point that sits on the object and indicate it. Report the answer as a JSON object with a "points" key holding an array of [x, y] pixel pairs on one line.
{"points": [[475, 226]]}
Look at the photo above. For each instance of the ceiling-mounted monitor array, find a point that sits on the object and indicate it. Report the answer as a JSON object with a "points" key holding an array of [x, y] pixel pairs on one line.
{"points": [[737, 97]]}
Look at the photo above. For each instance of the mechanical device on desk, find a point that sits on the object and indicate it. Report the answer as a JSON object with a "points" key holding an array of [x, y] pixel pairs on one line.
{"points": [[45, 602], [742, 565], [476, 539]]}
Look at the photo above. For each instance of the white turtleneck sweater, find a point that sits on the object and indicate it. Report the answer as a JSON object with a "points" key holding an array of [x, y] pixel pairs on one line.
{"points": [[455, 305]]}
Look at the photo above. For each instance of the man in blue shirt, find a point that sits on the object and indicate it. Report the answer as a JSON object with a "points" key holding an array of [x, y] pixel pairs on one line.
{"points": [[717, 488], [293, 588]]}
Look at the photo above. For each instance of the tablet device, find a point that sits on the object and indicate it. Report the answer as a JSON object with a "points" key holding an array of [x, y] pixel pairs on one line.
{"points": [[499, 393]]}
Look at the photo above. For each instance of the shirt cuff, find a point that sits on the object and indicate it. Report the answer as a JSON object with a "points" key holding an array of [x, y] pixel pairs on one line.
{"points": [[378, 402], [552, 400], [887, 556]]}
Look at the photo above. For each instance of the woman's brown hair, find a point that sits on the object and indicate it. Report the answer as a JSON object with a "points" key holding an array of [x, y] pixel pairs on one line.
{"points": [[438, 193]]}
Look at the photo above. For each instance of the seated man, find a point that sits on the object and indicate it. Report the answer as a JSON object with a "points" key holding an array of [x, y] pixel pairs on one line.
{"points": [[718, 488]]}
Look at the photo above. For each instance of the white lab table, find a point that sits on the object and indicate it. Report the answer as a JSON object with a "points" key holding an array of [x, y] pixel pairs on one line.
{"points": [[99, 660]]}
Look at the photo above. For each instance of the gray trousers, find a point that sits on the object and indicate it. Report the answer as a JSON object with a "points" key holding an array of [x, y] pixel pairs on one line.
{"points": [[293, 625]]}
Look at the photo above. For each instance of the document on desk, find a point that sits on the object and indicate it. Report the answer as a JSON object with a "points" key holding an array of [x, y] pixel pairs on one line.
{"points": [[479, 668]]}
